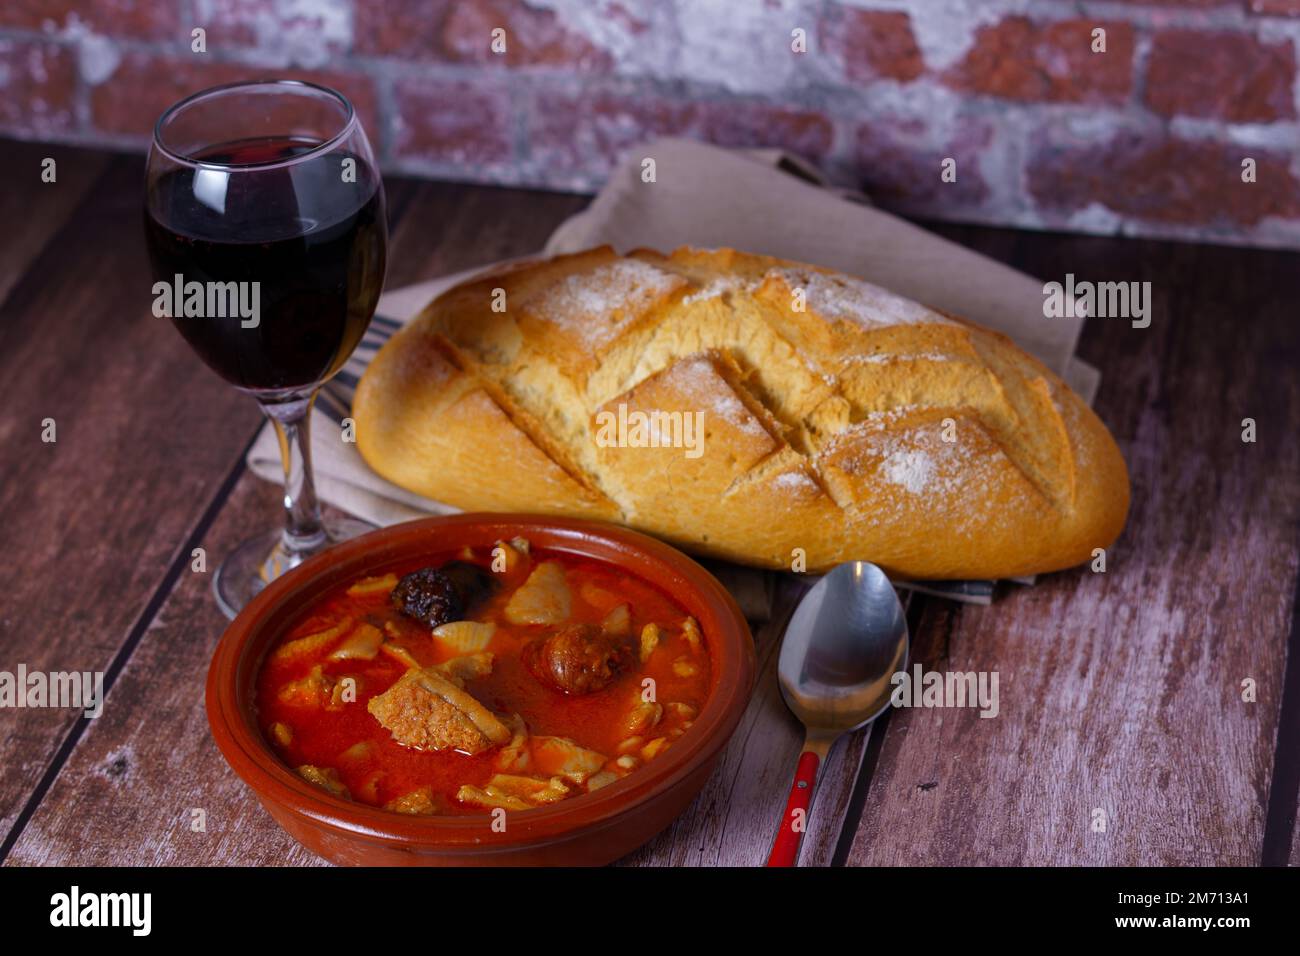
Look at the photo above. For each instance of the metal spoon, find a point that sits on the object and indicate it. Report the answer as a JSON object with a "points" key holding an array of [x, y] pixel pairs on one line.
{"points": [[846, 639]]}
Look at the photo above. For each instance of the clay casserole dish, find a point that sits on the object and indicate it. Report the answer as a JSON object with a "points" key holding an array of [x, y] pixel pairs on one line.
{"points": [[590, 829]]}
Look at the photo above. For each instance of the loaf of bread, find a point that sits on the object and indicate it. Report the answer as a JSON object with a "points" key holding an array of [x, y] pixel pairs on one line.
{"points": [[743, 407]]}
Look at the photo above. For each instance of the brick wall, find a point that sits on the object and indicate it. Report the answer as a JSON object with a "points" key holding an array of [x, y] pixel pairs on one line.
{"points": [[1148, 137]]}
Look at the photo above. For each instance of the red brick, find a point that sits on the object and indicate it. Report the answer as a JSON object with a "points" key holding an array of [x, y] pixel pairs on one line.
{"points": [[1280, 8], [588, 132], [628, 20], [142, 19], [534, 37], [453, 122], [460, 31], [897, 169], [759, 124], [1019, 59], [1165, 180], [871, 44], [273, 25], [1227, 76], [39, 83], [143, 86], [402, 28], [1167, 3]]}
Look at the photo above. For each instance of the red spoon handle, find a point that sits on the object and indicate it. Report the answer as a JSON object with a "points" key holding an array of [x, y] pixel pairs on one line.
{"points": [[795, 821]]}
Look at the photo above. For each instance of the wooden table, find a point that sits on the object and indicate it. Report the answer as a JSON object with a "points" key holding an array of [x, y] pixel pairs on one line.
{"points": [[1120, 692]]}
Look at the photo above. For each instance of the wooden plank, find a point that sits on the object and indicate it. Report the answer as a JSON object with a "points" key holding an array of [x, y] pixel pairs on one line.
{"points": [[1282, 831], [33, 210], [1122, 691], [93, 520], [151, 749]]}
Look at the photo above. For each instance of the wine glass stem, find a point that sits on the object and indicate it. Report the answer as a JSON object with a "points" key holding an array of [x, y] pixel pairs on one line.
{"points": [[303, 530]]}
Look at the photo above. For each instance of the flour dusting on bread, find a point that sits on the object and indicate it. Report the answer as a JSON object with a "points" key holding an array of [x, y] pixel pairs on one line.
{"points": [[796, 483], [595, 306], [844, 297], [911, 468], [702, 385]]}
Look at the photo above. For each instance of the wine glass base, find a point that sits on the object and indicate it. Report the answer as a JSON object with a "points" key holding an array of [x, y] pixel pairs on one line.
{"points": [[255, 563]]}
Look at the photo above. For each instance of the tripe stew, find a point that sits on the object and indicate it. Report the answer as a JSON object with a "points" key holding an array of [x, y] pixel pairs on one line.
{"points": [[501, 677]]}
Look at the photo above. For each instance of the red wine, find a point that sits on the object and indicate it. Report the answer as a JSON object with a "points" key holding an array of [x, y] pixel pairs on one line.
{"points": [[313, 240]]}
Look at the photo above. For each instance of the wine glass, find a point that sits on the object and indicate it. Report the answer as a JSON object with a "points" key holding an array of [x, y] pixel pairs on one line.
{"points": [[266, 228]]}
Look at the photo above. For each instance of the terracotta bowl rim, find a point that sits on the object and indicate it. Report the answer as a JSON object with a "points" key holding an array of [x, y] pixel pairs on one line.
{"points": [[727, 635]]}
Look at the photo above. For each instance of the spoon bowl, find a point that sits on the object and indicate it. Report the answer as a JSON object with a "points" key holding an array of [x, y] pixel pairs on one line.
{"points": [[845, 640]]}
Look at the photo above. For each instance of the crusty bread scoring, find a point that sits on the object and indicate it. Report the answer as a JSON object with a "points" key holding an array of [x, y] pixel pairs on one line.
{"points": [[840, 421]]}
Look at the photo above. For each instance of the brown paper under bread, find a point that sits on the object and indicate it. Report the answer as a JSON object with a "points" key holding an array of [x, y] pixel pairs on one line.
{"points": [[839, 421]]}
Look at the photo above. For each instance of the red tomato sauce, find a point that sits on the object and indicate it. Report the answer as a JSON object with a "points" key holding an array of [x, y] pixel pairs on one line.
{"points": [[382, 770]]}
